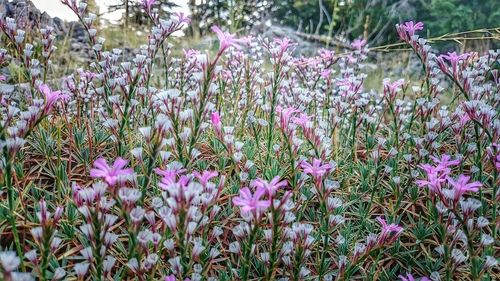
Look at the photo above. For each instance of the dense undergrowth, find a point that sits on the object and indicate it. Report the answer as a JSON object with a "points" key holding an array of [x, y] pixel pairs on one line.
{"points": [[221, 168]]}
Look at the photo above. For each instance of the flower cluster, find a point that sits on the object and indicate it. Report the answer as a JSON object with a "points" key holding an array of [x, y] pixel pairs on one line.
{"points": [[246, 161]]}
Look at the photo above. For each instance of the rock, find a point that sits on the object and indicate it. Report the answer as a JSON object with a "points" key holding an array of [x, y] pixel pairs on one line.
{"points": [[28, 16], [306, 44], [302, 47]]}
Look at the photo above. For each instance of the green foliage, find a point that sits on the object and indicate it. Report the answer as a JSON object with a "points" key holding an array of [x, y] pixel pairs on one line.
{"points": [[236, 15], [448, 16], [134, 10], [374, 20]]}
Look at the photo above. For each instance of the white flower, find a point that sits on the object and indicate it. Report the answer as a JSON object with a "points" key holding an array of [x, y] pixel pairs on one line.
{"points": [[81, 269], [486, 240], [490, 262], [457, 256], [9, 261], [59, 273]]}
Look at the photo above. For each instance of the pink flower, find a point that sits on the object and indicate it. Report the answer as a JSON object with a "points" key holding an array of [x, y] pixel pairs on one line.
{"points": [[393, 88], [168, 172], [147, 4], [284, 44], [75, 190], [407, 30], [453, 58], [462, 185], [464, 119], [358, 44], [410, 277], [285, 116], [110, 174], [251, 203], [389, 233], [389, 228], [438, 174], [316, 169], [497, 162], [205, 176], [271, 186], [169, 177], [411, 27], [190, 53], [2, 78], [435, 177], [181, 18], [348, 84], [326, 73], [170, 278], [226, 40], [445, 162], [51, 97], [301, 120], [215, 118]]}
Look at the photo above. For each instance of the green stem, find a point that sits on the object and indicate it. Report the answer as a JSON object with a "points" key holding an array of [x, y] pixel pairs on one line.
{"points": [[245, 267], [12, 211], [274, 96], [274, 252]]}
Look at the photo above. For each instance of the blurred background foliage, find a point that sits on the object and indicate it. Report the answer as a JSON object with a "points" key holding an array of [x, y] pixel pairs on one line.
{"points": [[372, 20]]}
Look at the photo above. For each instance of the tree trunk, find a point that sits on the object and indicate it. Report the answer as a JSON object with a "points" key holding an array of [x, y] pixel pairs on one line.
{"points": [[127, 13], [195, 20]]}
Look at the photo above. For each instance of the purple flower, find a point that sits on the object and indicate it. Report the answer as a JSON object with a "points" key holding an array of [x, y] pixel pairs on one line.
{"points": [[271, 186], [110, 174], [2, 78], [462, 185], [316, 169], [190, 53], [251, 203]]}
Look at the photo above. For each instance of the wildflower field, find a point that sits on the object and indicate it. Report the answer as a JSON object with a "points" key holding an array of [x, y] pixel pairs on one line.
{"points": [[248, 163]]}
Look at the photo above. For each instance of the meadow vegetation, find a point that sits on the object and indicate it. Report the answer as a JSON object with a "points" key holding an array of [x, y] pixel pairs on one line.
{"points": [[247, 163]]}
